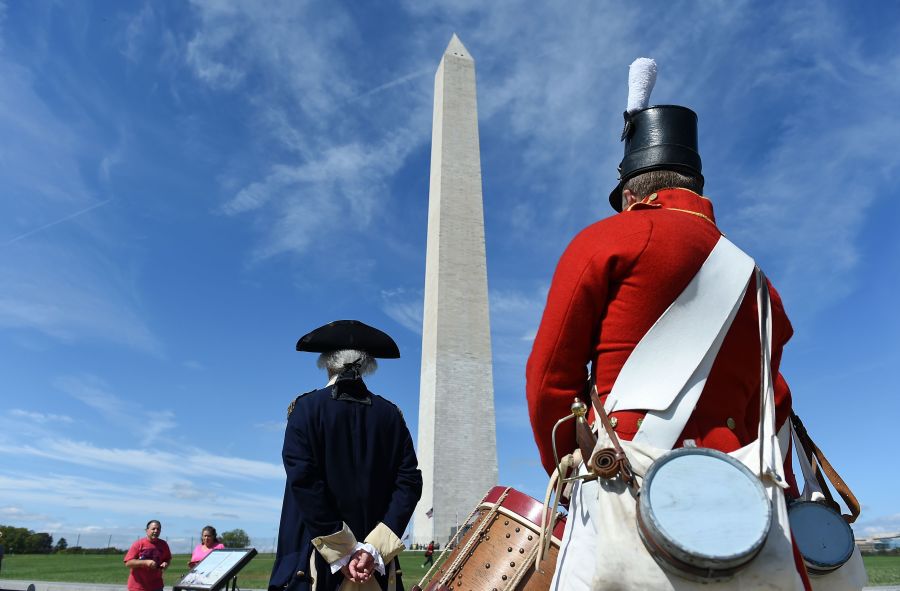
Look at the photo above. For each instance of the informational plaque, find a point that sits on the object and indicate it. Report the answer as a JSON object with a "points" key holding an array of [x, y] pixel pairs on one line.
{"points": [[213, 572]]}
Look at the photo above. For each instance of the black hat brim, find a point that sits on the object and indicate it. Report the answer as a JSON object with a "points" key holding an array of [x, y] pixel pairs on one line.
{"points": [[349, 334]]}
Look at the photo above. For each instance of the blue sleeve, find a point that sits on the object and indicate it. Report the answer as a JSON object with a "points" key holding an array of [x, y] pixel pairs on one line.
{"points": [[306, 479], [408, 483]]}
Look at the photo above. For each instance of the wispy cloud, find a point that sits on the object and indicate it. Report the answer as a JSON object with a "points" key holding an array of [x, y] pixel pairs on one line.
{"points": [[194, 463], [335, 174], [115, 502], [71, 295], [38, 417], [58, 277], [405, 306], [271, 426], [148, 424]]}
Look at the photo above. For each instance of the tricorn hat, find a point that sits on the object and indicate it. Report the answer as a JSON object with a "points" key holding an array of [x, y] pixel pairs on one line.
{"points": [[349, 334], [656, 138]]}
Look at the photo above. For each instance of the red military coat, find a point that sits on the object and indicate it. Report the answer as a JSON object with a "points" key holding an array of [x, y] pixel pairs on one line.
{"points": [[612, 283]]}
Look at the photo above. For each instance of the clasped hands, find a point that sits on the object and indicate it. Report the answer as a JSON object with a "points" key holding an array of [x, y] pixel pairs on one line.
{"points": [[150, 563], [360, 567]]}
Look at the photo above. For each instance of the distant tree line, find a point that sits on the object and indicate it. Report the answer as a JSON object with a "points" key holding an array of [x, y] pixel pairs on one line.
{"points": [[236, 538], [19, 540]]}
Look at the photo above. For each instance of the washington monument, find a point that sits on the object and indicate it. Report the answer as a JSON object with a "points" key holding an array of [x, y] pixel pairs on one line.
{"points": [[457, 443]]}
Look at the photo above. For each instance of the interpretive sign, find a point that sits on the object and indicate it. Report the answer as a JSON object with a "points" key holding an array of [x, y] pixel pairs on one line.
{"points": [[213, 572]]}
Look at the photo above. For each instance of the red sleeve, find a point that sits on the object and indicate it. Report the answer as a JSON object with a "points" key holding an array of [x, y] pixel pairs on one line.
{"points": [[569, 331], [133, 552], [167, 554]]}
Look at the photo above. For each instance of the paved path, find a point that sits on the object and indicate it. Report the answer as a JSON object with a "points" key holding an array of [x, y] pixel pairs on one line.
{"points": [[6, 585], [9, 585]]}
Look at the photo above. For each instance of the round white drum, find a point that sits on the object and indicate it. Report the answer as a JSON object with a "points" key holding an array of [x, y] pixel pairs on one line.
{"points": [[702, 514], [824, 539]]}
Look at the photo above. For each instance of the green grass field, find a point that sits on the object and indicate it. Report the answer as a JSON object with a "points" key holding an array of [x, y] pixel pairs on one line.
{"points": [[883, 570], [76, 568]]}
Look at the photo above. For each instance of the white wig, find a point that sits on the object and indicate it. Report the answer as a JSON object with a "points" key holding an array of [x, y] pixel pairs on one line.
{"points": [[335, 361]]}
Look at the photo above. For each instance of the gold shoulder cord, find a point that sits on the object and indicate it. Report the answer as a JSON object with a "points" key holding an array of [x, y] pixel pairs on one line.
{"points": [[696, 213]]}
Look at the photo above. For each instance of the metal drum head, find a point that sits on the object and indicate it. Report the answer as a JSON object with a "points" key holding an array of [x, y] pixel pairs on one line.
{"points": [[703, 512], [824, 539]]}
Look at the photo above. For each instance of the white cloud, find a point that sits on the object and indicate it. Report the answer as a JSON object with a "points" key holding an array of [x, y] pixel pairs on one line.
{"points": [[71, 296], [272, 426], [336, 173], [58, 278], [883, 526], [406, 307], [136, 32], [115, 505], [18, 514], [189, 463], [515, 316], [38, 417], [147, 424]]}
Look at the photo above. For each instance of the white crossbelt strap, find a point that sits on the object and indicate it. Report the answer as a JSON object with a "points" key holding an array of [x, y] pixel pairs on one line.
{"points": [[667, 370]]}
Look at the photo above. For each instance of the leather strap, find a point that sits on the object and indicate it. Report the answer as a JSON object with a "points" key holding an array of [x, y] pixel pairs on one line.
{"points": [[609, 463], [814, 454]]}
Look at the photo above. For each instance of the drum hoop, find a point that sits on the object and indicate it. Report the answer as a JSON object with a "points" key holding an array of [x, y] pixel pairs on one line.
{"points": [[813, 566], [646, 513], [520, 520]]}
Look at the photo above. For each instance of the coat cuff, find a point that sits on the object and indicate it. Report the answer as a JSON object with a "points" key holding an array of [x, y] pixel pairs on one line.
{"points": [[385, 541], [335, 546]]}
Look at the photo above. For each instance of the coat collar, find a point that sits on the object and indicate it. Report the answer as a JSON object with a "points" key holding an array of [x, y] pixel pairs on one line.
{"points": [[677, 200]]}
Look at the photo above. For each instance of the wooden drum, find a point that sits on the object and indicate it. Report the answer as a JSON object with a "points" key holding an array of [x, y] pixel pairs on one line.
{"points": [[498, 548]]}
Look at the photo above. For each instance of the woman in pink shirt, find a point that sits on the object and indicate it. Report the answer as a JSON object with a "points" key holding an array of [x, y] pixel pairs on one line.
{"points": [[208, 542]]}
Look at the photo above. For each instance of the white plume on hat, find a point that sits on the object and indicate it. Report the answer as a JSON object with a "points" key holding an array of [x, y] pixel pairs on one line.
{"points": [[641, 78]]}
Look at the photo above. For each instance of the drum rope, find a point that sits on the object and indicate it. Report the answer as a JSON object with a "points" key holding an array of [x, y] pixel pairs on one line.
{"points": [[520, 573], [474, 539], [449, 544]]}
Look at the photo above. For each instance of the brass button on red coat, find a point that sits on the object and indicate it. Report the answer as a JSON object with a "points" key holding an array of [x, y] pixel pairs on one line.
{"points": [[731, 423]]}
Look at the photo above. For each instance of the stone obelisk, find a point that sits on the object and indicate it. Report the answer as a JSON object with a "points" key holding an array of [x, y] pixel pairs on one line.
{"points": [[457, 442]]}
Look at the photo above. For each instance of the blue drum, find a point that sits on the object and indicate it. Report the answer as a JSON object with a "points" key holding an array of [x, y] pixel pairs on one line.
{"points": [[702, 514], [823, 537]]}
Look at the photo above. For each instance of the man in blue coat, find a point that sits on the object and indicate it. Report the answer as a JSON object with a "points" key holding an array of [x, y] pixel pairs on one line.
{"points": [[352, 475]]}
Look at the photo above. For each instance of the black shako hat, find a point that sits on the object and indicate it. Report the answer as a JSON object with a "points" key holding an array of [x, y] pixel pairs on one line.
{"points": [[349, 334], [657, 138]]}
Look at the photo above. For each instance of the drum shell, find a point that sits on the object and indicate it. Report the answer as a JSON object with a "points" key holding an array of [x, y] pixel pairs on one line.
{"points": [[691, 563], [504, 552], [825, 542]]}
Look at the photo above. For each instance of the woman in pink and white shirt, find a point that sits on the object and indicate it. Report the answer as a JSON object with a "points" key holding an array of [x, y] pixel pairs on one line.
{"points": [[208, 542]]}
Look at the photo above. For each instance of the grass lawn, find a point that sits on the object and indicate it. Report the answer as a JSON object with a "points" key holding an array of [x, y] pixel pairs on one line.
{"points": [[92, 568], [883, 570]]}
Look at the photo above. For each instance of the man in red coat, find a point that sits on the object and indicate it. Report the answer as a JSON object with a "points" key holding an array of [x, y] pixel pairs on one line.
{"points": [[620, 274]]}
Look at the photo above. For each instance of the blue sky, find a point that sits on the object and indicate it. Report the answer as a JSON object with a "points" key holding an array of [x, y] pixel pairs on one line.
{"points": [[186, 188]]}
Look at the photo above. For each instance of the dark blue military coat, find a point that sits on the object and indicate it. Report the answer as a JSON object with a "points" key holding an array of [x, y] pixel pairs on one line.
{"points": [[349, 458]]}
